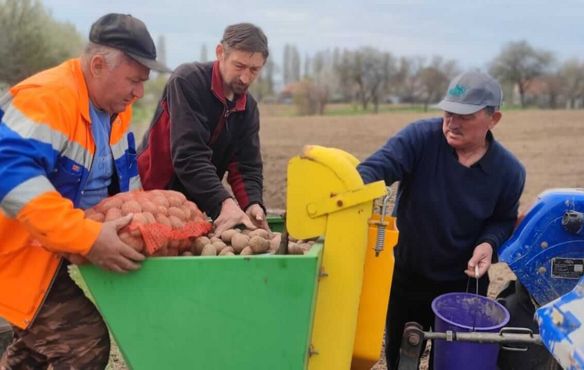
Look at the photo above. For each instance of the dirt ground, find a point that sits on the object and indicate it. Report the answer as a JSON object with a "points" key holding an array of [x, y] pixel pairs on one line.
{"points": [[546, 142]]}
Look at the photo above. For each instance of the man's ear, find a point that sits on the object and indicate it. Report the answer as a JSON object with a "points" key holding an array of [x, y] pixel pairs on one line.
{"points": [[220, 51], [97, 65], [495, 118]]}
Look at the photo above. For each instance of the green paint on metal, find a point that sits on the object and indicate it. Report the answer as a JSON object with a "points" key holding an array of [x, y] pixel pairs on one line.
{"points": [[223, 313], [276, 223]]}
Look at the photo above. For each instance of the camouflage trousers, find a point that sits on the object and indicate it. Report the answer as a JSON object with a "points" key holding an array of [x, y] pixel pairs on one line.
{"points": [[67, 333]]}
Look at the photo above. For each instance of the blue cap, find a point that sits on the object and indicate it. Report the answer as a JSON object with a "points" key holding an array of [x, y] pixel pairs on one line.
{"points": [[470, 92]]}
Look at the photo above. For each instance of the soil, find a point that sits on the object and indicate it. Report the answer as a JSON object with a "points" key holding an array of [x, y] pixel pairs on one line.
{"points": [[546, 142]]}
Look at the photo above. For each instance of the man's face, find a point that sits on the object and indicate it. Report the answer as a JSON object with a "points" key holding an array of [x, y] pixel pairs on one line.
{"points": [[238, 69], [468, 131], [121, 85]]}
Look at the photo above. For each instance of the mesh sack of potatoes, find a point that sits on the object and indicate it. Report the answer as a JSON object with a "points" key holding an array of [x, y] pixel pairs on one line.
{"points": [[165, 223]]}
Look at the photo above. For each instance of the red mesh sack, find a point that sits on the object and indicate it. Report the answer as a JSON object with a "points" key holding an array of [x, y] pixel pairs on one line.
{"points": [[164, 223]]}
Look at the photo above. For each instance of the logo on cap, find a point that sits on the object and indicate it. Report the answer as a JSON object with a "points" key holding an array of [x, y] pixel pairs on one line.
{"points": [[457, 90]]}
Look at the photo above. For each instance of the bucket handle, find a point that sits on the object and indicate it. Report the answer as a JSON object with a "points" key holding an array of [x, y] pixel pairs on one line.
{"points": [[515, 330]]}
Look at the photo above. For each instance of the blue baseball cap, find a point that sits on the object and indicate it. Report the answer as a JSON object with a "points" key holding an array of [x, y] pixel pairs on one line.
{"points": [[470, 92]]}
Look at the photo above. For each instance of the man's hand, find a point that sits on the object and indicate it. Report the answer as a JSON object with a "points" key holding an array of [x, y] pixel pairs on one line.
{"points": [[481, 257], [110, 253], [230, 216], [257, 215]]}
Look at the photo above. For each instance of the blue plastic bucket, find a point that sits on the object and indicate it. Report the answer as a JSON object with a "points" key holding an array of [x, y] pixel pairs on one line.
{"points": [[465, 312]]}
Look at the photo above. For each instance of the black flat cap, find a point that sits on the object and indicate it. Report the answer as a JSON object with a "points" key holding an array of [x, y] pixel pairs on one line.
{"points": [[129, 34]]}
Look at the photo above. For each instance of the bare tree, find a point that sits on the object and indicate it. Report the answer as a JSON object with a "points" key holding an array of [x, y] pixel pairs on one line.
{"points": [[204, 54], [519, 63], [31, 40], [434, 79], [572, 76], [367, 72], [291, 64]]}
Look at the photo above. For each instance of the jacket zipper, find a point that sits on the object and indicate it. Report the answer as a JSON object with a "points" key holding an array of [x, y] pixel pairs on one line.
{"points": [[220, 125]]}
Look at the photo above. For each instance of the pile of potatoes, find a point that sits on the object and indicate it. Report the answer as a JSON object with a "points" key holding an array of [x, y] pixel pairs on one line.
{"points": [[243, 242]]}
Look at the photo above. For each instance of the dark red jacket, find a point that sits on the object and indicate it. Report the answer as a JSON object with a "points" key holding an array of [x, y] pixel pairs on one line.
{"points": [[195, 138]]}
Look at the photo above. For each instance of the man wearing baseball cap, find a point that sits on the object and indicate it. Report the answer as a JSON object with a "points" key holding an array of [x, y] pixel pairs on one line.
{"points": [[65, 144], [457, 201]]}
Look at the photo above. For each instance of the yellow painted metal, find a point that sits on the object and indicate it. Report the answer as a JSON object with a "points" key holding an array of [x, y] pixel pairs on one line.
{"points": [[314, 178], [375, 295]]}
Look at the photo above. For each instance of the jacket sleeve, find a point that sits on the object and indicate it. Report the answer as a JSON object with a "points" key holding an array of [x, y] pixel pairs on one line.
{"points": [[499, 226], [245, 169], [191, 155], [397, 158], [35, 128]]}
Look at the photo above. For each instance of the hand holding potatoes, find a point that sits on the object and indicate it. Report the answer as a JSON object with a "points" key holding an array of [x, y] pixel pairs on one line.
{"points": [[110, 253], [230, 216], [257, 215]]}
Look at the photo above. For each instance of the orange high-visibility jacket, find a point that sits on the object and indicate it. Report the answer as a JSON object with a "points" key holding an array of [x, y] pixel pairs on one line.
{"points": [[46, 151]]}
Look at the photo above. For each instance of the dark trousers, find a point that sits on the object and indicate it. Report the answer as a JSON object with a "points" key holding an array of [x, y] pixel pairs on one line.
{"points": [[411, 300], [67, 333]]}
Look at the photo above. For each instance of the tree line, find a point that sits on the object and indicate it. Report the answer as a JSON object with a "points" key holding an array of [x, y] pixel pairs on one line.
{"points": [[367, 77]]}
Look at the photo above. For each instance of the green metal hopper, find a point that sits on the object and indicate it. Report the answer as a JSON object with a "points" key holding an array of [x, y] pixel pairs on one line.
{"points": [[266, 311], [238, 312]]}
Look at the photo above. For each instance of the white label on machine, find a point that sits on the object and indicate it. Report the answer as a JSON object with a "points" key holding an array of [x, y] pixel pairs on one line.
{"points": [[567, 268]]}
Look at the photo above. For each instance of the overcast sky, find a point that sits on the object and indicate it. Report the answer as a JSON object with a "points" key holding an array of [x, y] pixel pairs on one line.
{"points": [[469, 31]]}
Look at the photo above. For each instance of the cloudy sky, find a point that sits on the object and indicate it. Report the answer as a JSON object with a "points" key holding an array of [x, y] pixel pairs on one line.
{"points": [[469, 31]]}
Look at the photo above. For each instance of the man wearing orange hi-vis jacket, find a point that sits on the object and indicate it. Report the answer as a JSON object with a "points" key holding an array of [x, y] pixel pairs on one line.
{"points": [[65, 145]]}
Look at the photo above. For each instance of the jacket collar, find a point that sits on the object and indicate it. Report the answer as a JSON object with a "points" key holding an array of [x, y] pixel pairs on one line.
{"points": [[489, 161], [217, 89], [83, 92]]}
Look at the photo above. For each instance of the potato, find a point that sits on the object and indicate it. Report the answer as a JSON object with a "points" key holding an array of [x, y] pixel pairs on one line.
{"points": [[163, 219], [274, 245], [214, 239], [139, 218], [305, 246], [239, 241], [177, 212], [247, 251], [160, 201], [294, 248], [175, 199], [209, 250], [227, 251], [187, 213], [109, 203], [228, 234], [176, 222], [135, 242], [199, 244], [150, 219], [219, 246], [131, 206], [113, 214], [259, 244], [148, 206], [260, 232], [186, 254]]}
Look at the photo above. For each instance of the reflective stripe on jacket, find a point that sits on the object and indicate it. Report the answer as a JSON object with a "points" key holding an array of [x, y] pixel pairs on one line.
{"points": [[46, 151]]}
